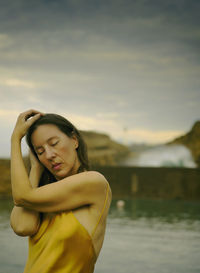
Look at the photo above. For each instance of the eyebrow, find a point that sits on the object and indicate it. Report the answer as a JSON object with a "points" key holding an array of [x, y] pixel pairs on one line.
{"points": [[49, 139]]}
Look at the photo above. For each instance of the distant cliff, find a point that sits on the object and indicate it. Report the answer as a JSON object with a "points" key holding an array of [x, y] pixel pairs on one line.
{"points": [[192, 141], [102, 150]]}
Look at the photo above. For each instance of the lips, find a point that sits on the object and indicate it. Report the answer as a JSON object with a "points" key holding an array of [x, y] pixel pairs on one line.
{"points": [[56, 166]]}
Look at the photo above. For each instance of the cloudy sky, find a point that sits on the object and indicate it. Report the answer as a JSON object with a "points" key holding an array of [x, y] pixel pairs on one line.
{"points": [[127, 68]]}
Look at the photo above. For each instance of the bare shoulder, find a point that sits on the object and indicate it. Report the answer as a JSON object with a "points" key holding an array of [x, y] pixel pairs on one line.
{"points": [[97, 177], [90, 176], [99, 181], [103, 184]]}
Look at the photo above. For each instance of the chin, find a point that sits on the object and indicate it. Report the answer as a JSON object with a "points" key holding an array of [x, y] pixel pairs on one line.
{"points": [[63, 175]]}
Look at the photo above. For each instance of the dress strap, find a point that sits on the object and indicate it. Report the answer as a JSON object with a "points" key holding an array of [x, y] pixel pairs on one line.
{"points": [[93, 232]]}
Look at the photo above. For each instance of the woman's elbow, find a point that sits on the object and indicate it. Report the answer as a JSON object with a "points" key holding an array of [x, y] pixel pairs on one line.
{"points": [[16, 201], [24, 227], [19, 201], [20, 232], [24, 231]]}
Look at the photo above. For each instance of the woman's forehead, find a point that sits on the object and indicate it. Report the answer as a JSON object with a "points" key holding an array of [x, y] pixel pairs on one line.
{"points": [[45, 132]]}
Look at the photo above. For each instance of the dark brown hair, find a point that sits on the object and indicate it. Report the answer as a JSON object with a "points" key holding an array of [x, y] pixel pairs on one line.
{"points": [[67, 128]]}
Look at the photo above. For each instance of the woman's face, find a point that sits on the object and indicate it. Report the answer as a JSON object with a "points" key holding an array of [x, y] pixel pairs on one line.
{"points": [[56, 151]]}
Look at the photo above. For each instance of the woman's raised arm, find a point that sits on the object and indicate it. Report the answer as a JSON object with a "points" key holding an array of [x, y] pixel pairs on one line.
{"points": [[25, 222], [87, 188]]}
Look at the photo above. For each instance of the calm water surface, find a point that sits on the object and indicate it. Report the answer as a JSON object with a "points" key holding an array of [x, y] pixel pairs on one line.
{"points": [[145, 236]]}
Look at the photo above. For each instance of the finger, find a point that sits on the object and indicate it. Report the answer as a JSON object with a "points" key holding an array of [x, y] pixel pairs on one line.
{"points": [[30, 113], [27, 114], [31, 120]]}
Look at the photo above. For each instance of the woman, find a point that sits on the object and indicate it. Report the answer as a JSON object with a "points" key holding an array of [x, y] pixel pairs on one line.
{"points": [[65, 220]]}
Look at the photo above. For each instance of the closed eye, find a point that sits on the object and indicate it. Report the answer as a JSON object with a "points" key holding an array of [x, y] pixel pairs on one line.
{"points": [[40, 153], [54, 144]]}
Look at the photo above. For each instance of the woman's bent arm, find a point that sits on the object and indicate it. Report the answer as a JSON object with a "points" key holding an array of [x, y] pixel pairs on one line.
{"points": [[87, 188], [25, 222]]}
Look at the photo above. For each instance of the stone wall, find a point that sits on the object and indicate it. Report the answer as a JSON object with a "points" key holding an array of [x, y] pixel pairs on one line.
{"points": [[136, 182], [156, 183]]}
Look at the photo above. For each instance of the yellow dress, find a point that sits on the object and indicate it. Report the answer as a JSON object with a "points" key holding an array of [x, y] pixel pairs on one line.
{"points": [[61, 245]]}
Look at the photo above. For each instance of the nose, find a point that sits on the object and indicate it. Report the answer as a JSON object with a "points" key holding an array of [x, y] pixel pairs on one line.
{"points": [[49, 153]]}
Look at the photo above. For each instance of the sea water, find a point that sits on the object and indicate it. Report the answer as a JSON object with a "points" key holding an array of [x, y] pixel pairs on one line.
{"points": [[143, 236]]}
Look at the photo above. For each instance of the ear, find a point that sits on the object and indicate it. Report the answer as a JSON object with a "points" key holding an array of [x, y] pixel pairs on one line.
{"points": [[75, 140]]}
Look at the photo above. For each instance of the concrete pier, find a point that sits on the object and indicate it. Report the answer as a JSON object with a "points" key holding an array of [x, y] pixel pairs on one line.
{"points": [[156, 183]]}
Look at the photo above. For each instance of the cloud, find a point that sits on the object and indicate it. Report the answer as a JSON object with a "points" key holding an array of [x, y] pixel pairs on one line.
{"points": [[95, 123], [14, 82], [149, 136], [5, 41], [108, 124], [8, 115], [109, 64]]}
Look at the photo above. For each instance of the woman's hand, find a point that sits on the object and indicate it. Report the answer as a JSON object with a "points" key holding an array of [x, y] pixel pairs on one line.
{"points": [[24, 121], [35, 163], [36, 170]]}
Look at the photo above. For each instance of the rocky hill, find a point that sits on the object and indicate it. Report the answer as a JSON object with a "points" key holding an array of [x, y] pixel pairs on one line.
{"points": [[192, 141], [102, 150]]}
